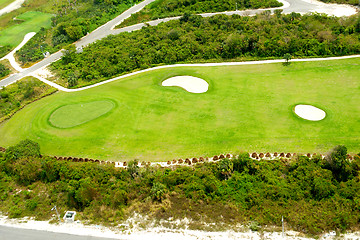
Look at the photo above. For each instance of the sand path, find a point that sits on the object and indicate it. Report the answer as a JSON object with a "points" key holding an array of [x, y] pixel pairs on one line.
{"points": [[11, 7]]}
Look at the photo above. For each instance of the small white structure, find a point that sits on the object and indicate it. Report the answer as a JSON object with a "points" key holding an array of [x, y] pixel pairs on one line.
{"points": [[69, 217], [189, 83], [309, 112], [46, 54], [79, 49]]}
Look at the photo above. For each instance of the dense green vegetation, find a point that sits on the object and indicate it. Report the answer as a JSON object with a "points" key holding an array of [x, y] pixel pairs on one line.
{"points": [[73, 20], [313, 195], [170, 8], [218, 38], [246, 108], [4, 50], [17, 95], [4, 71]]}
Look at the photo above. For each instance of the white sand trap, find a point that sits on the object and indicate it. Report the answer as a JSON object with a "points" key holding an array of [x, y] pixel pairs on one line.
{"points": [[189, 83], [309, 112]]}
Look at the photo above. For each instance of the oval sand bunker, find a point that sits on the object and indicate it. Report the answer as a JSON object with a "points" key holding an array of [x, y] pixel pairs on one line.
{"points": [[189, 83], [309, 112]]}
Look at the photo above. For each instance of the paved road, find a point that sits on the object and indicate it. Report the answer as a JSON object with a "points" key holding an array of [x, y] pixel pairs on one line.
{"points": [[300, 6], [9, 233]]}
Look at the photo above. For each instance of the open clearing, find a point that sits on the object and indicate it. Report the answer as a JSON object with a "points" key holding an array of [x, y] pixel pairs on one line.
{"points": [[246, 108], [32, 22]]}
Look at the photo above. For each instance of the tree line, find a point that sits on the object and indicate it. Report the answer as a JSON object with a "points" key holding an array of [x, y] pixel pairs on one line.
{"points": [[214, 39], [171, 8], [72, 21], [313, 195]]}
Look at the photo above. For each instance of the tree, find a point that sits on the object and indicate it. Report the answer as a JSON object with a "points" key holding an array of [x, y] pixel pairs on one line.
{"points": [[158, 191], [338, 163], [226, 168], [4, 70], [287, 58], [69, 54], [72, 80], [133, 168]]}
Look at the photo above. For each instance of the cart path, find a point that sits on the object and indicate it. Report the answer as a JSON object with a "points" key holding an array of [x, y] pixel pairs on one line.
{"points": [[299, 6], [11, 7]]}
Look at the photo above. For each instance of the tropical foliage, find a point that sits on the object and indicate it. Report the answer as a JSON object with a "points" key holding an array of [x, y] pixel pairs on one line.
{"points": [[169, 8], [4, 71], [217, 38], [21, 93], [313, 195], [73, 20]]}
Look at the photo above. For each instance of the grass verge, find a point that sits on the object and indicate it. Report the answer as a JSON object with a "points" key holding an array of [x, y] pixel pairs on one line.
{"points": [[17, 95]]}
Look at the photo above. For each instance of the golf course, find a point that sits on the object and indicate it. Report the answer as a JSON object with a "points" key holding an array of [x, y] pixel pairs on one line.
{"points": [[31, 22], [246, 108]]}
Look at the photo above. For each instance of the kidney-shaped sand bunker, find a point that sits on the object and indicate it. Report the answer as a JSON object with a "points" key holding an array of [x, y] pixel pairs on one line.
{"points": [[309, 112], [72, 115], [189, 83]]}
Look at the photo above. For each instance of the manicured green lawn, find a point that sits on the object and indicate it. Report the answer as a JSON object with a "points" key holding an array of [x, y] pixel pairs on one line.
{"points": [[4, 3], [33, 21], [247, 108]]}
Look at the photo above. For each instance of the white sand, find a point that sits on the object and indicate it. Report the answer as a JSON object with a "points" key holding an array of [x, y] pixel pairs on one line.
{"points": [[152, 231], [337, 10], [44, 72], [189, 83], [309, 112], [11, 57], [11, 7]]}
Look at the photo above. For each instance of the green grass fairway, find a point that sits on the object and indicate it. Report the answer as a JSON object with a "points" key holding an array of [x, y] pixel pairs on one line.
{"points": [[33, 21], [247, 108], [80, 113], [4, 3]]}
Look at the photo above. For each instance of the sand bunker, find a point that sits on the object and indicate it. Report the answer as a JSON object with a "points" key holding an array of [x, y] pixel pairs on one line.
{"points": [[309, 112], [189, 83]]}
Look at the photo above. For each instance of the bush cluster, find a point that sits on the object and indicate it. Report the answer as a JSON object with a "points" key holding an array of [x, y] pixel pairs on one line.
{"points": [[314, 195], [217, 38]]}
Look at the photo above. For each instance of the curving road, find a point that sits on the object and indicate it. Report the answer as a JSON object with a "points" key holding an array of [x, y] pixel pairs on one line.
{"points": [[299, 6]]}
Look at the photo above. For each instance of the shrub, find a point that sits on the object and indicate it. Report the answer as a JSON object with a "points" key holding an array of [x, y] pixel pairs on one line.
{"points": [[15, 212], [31, 204], [226, 168], [158, 191], [25, 148]]}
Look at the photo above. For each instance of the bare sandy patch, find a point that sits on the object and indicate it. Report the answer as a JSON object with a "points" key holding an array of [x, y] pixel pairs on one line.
{"points": [[309, 112], [44, 72], [189, 83]]}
